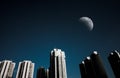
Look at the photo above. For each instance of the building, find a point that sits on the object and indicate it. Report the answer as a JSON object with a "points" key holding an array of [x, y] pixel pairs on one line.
{"points": [[114, 60], [83, 70], [92, 67], [6, 69], [42, 73], [25, 69], [87, 68], [98, 65], [57, 64]]}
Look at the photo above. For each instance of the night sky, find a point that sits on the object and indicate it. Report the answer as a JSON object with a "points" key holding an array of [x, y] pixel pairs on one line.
{"points": [[29, 30]]}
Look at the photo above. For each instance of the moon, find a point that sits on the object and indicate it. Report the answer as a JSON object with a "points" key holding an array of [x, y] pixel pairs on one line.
{"points": [[87, 22]]}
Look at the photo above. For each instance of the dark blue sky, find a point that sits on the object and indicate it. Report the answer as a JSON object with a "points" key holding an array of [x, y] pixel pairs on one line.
{"points": [[30, 30]]}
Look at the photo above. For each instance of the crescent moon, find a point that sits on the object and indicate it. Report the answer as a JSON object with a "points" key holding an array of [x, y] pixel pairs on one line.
{"points": [[88, 22]]}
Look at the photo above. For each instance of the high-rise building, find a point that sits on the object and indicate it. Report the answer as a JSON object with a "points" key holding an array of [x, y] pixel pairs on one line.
{"points": [[92, 67], [114, 60], [89, 68], [83, 70], [57, 64], [6, 69], [47, 73], [25, 69], [42, 73], [98, 65]]}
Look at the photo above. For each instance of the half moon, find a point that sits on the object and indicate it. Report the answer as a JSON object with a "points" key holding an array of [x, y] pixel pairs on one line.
{"points": [[87, 22]]}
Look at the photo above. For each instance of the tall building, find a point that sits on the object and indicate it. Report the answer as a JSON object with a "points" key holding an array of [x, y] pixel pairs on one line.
{"points": [[114, 60], [47, 73], [83, 71], [89, 68], [42, 73], [92, 67], [25, 69], [57, 64], [98, 65], [6, 69]]}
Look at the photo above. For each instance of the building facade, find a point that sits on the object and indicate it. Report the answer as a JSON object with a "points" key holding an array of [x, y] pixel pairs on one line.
{"points": [[114, 60], [98, 65], [42, 73], [92, 67], [6, 69], [25, 69], [83, 71], [57, 64]]}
